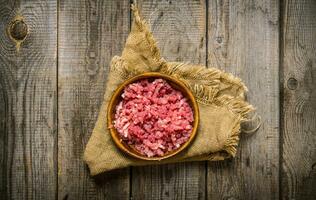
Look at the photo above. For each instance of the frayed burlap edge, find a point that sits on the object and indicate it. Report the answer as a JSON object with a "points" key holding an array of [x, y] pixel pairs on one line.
{"points": [[209, 86]]}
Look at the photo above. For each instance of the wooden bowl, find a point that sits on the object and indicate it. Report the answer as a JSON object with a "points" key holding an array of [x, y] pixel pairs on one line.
{"points": [[116, 98]]}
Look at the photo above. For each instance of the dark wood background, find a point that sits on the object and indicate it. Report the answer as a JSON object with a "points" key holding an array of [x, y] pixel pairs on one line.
{"points": [[52, 85]]}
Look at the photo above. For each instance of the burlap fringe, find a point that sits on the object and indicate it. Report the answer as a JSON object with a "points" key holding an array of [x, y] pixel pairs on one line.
{"points": [[231, 143], [144, 27], [204, 83], [121, 68], [236, 105]]}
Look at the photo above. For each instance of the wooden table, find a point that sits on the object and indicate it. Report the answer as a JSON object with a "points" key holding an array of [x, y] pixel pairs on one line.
{"points": [[51, 87]]}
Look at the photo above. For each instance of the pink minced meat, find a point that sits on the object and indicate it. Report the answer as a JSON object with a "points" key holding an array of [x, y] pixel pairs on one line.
{"points": [[153, 117]]}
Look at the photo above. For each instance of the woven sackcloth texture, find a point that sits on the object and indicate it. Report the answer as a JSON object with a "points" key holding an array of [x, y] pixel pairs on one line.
{"points": [[220, 97]]}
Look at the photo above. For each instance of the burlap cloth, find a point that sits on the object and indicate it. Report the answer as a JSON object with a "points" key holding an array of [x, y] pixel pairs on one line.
{"points": [[220, 97]]}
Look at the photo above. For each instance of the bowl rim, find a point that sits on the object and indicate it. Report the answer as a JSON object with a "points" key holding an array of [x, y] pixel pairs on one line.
{"points": [[111, 107]]}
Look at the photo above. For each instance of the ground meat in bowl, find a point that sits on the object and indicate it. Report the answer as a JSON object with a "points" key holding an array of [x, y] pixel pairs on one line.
{"points": [[153, 117]]}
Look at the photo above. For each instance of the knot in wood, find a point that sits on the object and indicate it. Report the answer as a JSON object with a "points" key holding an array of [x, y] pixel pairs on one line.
{"points": [[292, 83], [18, 30]]}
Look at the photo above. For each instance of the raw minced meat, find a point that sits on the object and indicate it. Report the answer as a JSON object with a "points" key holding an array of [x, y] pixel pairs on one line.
{"points": [[153, 117]]}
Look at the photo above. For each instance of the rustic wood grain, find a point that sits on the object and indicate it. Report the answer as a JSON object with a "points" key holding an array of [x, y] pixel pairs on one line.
{"points": [[179, 28], [244, 40], [299, 100], [28, 101], [41, 156], [90, 33]]}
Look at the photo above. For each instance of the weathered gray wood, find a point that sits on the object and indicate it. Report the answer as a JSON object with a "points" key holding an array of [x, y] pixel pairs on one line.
{"points": [[244, 40], [90, 33], [299, 100], [28, 162], [179, 27]]}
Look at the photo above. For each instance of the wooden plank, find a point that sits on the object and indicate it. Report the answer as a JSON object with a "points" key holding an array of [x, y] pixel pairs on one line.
{"points": [[90, 33], [299, 100], [28, 166], [179, 28], [243, 40]]}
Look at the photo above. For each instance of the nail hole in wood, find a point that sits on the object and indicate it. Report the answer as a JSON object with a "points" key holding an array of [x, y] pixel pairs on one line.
{"points": [[219, 40], [292, 83]]}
